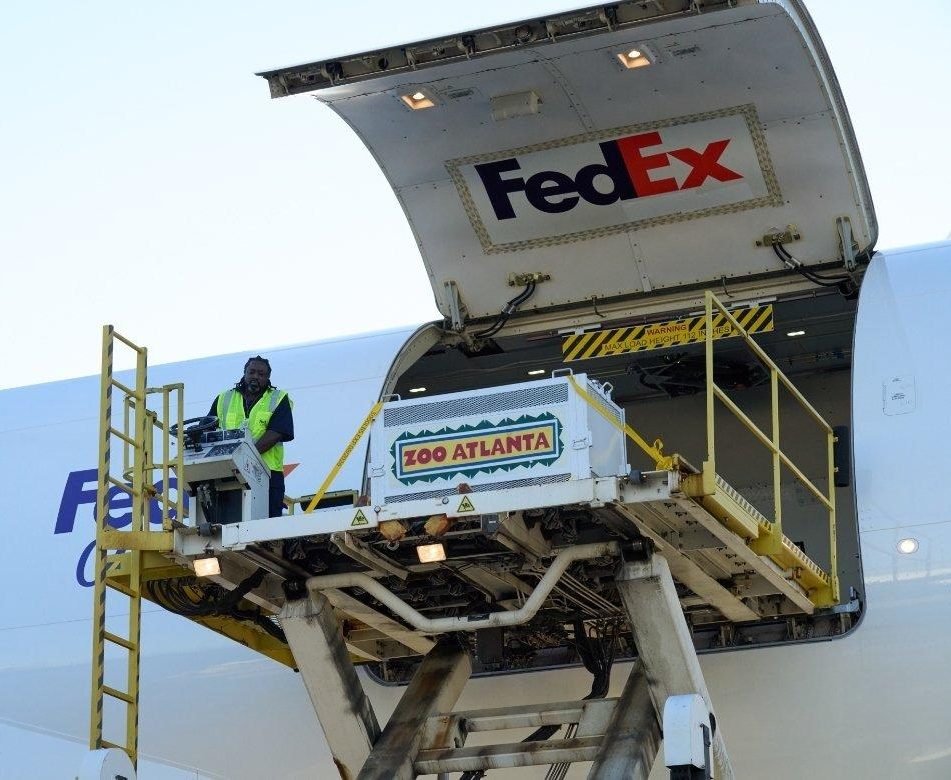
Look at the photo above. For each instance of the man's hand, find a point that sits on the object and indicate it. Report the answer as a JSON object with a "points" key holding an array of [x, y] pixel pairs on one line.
{"points": [[267, 440]]}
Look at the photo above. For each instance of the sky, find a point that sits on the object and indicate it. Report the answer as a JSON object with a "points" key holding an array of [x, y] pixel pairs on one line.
{"points": [[148, 181]]}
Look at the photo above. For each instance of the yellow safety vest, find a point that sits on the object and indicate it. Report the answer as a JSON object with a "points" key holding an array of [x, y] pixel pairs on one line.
{"points": [[231, 416]]}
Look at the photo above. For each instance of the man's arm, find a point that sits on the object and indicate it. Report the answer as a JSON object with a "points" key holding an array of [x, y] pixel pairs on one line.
{"points": [[279, 428], [268, 439]]}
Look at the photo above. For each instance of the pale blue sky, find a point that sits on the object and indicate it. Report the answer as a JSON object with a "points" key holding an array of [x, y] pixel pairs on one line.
{"points": [[143, 165]]}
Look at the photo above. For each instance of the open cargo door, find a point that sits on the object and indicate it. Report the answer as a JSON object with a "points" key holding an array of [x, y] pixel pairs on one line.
{"points": [[611, 152]]}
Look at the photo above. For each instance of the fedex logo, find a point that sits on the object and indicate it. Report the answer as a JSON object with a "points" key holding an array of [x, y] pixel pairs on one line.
{"points": [[626, 173], [618, 180], [79, 492]]}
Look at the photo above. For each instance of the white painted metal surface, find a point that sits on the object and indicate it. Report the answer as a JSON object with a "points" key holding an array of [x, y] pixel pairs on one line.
{"points": [[530, 433], [776, 142], [237, 536], [664, 645], [106, 764], [230, 466], [343, 711], [685, 742]]}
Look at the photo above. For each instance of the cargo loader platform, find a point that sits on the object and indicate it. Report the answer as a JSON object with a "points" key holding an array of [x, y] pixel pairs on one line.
{"points": [[492, 523]]}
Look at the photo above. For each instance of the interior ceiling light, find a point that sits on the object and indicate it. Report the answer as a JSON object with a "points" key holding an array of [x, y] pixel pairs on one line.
{"points": [[633, 58], [417, 389], [207, 567], [796, 333], [536, 372], [417, 100], [907, 546], [431, 553]]}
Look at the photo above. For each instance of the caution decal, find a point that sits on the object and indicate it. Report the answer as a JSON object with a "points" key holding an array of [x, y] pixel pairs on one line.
{"points": [[660, 335], [469, 449]]}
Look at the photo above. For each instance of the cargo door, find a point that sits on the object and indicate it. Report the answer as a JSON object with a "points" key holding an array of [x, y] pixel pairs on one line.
{"points": [[612, 153]]}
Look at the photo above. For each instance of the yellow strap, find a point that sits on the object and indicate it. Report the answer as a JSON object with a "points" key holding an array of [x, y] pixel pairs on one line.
{"points": [[654, 451], [367, 421]]}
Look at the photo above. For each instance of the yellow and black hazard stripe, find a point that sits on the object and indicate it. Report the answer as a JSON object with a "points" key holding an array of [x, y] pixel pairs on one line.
{"points": [[661, 335]]}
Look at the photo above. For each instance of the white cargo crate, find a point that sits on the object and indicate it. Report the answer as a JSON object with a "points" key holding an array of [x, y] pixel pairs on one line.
{"points": [[531, 433]]}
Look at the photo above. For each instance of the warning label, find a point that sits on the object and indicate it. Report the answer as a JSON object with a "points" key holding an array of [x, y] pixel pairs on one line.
{"points": [[660, 335], [359, 519], [465, 505]]}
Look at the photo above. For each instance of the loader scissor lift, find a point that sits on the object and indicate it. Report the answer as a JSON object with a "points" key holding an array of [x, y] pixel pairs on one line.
{"points": [[676, 525]]}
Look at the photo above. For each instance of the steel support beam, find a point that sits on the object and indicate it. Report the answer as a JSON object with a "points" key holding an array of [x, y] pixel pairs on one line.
{"points": [[632, 737], [434, 688], [663, 641], [343, 710]]}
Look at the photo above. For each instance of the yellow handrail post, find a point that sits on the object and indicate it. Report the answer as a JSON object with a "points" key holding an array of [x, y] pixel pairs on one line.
{"points": [[140, 522], [99, 553], [710, 464], [772, 543], [833, 554], [166, 457], [180, 456]]}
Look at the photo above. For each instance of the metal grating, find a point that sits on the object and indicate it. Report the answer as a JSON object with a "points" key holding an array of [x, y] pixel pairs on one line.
{"points": [[551, 479], [395, 416], [606, 401]]}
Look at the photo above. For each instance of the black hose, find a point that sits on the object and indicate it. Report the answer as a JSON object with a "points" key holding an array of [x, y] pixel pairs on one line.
{"points": [[507, 312], [843, 283], [192, 599]]}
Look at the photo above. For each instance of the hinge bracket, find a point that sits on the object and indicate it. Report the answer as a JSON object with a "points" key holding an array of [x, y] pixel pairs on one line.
{"points": [[847, 245], [455, 305]]}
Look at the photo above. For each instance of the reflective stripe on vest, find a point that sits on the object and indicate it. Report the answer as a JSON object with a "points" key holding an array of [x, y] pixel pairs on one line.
{"points": [[231, 415]]}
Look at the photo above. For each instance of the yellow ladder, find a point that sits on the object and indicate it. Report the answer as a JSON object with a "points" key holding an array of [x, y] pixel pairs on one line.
{"points": [[129, 545]]}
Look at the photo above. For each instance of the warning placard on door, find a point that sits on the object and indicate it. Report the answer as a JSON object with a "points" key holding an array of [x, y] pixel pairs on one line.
{"points": [[661, 335]]}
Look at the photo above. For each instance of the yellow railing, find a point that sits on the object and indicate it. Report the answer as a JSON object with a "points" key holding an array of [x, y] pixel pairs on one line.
{"points": [[771, 541]]}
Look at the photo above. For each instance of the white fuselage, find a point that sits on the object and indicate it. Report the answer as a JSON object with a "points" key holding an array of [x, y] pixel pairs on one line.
{"points": [[870, 704]]}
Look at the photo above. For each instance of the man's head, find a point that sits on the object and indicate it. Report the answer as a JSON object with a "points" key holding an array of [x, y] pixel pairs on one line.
{"points": [[257, 375]]}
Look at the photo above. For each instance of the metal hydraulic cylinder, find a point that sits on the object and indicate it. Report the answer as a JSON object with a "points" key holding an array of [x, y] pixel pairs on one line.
{"points": [[663, 642], [434, 688], [632, 738], [343, 710]]}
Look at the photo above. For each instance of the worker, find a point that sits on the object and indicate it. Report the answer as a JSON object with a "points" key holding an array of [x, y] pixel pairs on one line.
{"points": [[266, 411]]}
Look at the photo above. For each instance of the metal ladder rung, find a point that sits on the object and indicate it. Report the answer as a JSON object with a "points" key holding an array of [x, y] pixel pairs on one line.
{"points": [[127, 439], [124, 388], [118, 640], [131, 345], [481, 757], [117, 694], [122, 589], [122, 486], [163, 499]]}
